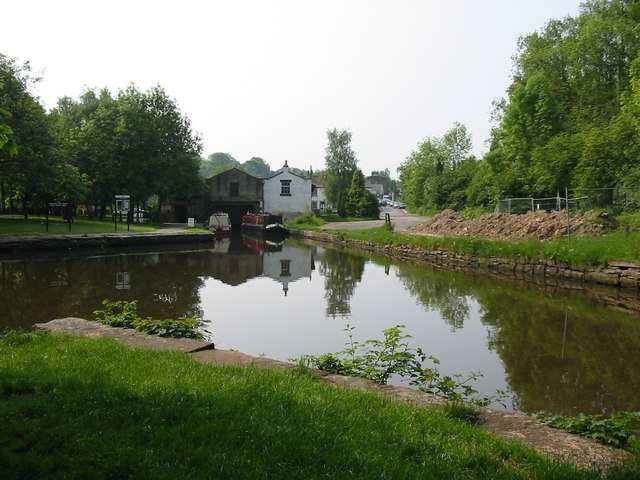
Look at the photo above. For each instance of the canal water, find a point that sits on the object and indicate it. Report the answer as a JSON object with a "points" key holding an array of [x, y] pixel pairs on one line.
{"points": [[551, 351]]}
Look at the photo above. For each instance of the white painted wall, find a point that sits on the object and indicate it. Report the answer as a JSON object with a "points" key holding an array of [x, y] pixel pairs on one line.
{"points": [[298, 202], [299, 262], [318, 198]]}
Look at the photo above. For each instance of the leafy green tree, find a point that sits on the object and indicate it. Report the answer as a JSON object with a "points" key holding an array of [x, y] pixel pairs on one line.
{"points": [[355, 193], [216, 163], [7, 142], [568, 118], [256, 166], [341, 162], [26, 175], [438, 174]]}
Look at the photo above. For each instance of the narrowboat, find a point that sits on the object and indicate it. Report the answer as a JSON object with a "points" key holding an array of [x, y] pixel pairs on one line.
{"points": [[263, 223], [219, 223]]}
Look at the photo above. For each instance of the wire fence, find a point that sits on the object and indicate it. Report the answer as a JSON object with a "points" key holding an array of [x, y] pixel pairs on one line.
{"points": [[578, 199]]}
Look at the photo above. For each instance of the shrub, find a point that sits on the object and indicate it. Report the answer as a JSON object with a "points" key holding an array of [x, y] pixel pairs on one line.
{"points": [[620, 429], [379, 360], [125, 315]]}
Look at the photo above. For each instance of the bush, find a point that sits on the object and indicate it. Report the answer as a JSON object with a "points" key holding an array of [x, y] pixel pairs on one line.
{"points": [[379, 360], [123, 314], [619, 430]]}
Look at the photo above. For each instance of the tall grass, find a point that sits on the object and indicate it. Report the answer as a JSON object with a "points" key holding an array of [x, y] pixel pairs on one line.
{"points": [[594, 250]]}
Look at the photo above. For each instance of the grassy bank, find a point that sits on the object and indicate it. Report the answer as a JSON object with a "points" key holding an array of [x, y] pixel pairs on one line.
{"points": [[36, 226], [92, 408], [575, 250], [313, 222]]}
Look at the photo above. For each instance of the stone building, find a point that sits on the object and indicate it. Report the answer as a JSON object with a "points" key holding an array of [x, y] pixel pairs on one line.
{"points": [[235, 192], [287, 193]]}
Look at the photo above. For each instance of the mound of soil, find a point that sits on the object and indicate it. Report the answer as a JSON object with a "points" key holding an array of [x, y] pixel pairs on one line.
{"points": [[505, 226]]}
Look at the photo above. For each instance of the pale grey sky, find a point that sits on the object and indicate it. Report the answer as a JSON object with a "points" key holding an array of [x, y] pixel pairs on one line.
{"points": [[267, 78]]}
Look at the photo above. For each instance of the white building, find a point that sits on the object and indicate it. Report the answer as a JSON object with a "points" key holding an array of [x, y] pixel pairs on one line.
{"points": [[289, 264], [318, 198], [287, 193]]}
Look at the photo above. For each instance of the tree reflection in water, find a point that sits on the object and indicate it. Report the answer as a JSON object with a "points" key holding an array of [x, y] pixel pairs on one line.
{"points": [[558, 350], [342, 271]]}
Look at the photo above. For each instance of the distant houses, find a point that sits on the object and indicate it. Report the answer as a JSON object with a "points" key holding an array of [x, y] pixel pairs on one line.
{"points": [[237, 192]]}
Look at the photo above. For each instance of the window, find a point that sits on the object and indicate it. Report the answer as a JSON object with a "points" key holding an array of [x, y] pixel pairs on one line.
{"points": [[285, 188], [285, 268], [234, 189]]}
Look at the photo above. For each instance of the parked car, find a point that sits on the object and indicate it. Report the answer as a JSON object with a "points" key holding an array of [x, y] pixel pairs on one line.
{"points": [[402, 205]]}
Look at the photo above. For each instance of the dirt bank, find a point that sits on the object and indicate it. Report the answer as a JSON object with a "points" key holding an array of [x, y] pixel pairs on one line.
{"points": [[505, 226]]}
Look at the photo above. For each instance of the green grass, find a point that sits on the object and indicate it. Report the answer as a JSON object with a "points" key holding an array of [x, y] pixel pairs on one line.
{"points": [[574, 250], [314, 222], [91, 408], [36, 226]]}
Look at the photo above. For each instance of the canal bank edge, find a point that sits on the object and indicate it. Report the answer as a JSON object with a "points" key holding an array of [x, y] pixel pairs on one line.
{"points": [[619, 281], [558, 444], [98, 240]]}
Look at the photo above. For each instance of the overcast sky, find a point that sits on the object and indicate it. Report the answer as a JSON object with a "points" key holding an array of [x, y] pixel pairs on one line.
{"points": [[268, 78]]}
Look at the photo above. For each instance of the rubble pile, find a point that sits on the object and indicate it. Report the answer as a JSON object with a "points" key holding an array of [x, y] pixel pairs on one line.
{"points": [[506, 226]]}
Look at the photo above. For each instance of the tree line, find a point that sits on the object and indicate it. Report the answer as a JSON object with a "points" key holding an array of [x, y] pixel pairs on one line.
{"points": [[571, 119], [86, 150]]}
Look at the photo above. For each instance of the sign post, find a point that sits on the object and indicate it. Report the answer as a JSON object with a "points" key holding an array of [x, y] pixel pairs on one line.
{"points": [[122, 206]]}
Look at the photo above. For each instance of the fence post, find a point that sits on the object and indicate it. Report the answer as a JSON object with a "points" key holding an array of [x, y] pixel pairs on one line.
{"points": [[566, 192], [509, 205], [532, 208]]}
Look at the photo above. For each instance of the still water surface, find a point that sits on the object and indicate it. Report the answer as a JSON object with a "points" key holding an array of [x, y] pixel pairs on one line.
{"points": [[551, 351]]}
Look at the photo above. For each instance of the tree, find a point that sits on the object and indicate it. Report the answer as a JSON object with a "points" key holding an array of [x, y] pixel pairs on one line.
{"points": [[7, 142], [216, 163], [26, 173], [359, 201], [355, 193], [340, 163], [256, 166], [438, 174], [568, 118]]}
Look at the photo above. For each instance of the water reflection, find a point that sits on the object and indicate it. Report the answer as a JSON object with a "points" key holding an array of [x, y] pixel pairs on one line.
{"points": [[553, 352]]}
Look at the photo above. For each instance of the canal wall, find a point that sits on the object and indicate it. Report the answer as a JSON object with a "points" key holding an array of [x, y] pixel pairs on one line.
{"points": [[10, 245], [616, 284]]}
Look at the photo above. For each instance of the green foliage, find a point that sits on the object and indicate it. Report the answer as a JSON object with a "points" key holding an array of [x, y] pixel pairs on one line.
{"points": [[308, 221], [87, 150], [620, 429], [359, 201], [574, 250], [380, 360], [77, 407], [124, 314], [7, 143], [571, 115], [341, 162], [438, 173]]}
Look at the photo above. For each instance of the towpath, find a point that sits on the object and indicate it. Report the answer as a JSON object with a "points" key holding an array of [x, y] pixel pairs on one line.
{"points": [[401, 220]]}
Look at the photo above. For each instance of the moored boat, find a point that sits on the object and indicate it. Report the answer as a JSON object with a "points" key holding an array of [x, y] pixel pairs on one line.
{"points": [[219, 223], [263, 223]]}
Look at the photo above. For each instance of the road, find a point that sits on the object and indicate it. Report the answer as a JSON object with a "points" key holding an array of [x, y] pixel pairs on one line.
{"points": [[401, 220]]}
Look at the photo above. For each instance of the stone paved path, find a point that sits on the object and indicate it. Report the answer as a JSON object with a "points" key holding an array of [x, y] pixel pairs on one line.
{"points": [[509, 425]]}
